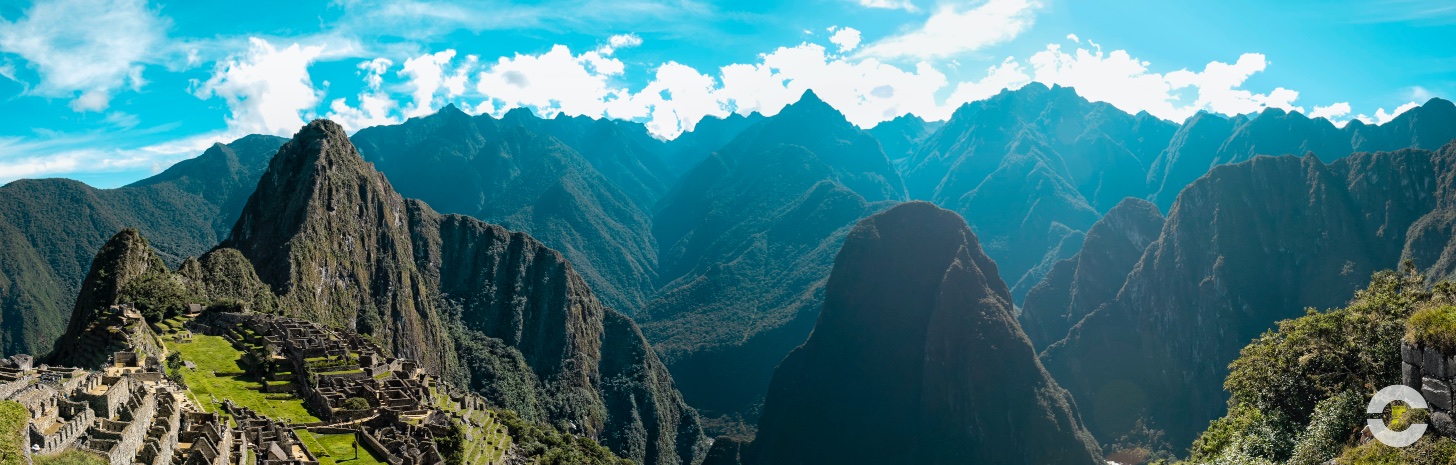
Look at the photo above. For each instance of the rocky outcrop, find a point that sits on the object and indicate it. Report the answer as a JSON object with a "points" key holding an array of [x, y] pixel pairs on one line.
{"points": [[1245, 246], [1078, 285], [88, 339], [917, 358]]}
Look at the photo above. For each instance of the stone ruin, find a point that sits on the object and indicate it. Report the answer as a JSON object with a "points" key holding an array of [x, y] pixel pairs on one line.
{"points": [[1433, 373]]}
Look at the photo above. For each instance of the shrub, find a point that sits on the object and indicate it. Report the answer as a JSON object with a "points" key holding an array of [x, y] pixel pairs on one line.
{"points": [[1434, 326], [356, 403], [1336, 420]]}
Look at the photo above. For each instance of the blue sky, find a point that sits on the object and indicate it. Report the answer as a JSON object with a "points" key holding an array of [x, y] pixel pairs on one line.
{"points": [[109, 92]]}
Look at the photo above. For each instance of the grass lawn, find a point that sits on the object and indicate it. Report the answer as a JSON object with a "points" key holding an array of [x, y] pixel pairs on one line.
{"points": [[332, 449], [13, 419], [213, 353]]}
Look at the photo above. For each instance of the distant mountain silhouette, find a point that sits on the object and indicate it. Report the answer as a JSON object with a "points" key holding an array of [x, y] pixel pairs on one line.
{"points": [[917, 358]]}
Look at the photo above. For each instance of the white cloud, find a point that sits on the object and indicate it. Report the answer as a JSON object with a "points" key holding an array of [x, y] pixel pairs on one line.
{"points": [[1335, 112], [866, 91], [84, 49], [375, 105], [426, 74], [1007, 75], [556, 81], [1381, 117], [267, 89], [620, 41], [1127, 83], [847, 38], [952, 31], [890, 5], [1074, 38]]}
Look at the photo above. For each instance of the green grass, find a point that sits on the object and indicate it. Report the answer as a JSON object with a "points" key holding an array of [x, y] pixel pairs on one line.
{"points": [[71, 457], [214, 353], [13, 418], [1434, 326], [332, 449]]}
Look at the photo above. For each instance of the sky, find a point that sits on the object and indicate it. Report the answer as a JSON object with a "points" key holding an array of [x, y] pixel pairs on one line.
{"points": [[110, 92]]}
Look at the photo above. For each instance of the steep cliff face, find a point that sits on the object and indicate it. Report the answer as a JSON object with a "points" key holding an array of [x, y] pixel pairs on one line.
{"points": [[495, 309], [917, 358], [1243, 247], [747, 239], [513, 172], [1078, 285], [50, 230], [331, 237], [582, 364]]}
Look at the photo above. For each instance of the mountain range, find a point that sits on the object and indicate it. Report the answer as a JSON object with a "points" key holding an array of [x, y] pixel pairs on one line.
{"points": [[537, 247]]}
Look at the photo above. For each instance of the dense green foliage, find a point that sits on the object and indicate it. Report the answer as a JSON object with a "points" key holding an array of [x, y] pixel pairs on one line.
{"points": [[549, 446], [157, 296], [356, 403], [452, 444], [1435, 326], [1298, 393]]}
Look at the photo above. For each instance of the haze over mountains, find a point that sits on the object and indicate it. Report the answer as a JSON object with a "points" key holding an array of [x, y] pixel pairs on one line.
{"points": [[721, 246]]}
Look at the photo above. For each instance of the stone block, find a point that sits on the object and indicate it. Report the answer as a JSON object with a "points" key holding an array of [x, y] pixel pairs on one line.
{"points": [[1434, 364], [1410, 375], [1437, 393], [1443, 424], [1411, 353]]}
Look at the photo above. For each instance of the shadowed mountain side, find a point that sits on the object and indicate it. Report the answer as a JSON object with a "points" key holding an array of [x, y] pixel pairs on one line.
{"points": [[916, 358], [1078, 285], [1245, 246]]}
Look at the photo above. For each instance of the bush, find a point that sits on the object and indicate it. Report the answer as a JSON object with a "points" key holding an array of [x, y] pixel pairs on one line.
{"points": [[157, 296], [1435, 326], [1335, 422], [356, 403]]}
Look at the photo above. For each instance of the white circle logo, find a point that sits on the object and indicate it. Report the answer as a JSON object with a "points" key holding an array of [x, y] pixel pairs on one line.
{"points": [[1385, 435]]}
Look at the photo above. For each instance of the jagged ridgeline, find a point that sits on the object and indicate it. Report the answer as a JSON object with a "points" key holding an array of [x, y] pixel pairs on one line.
{"points": [[331, 241]]}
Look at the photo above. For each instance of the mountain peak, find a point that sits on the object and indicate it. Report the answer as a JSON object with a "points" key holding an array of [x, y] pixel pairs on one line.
{"points": [[917, 321]]}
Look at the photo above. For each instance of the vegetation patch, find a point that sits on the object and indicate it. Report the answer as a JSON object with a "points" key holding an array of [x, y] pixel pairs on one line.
{"points": [[1434, 326], [13, 418], [332, 449], [214, 354], [71, 457]]}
